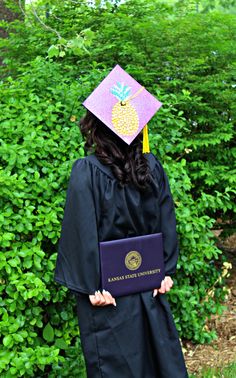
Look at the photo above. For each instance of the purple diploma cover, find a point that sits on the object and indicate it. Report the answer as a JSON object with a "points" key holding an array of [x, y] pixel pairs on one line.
{"points": [[132, 265]]}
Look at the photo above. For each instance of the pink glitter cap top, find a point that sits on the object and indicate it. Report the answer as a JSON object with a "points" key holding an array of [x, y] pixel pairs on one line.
{"points": [[122, 104]]}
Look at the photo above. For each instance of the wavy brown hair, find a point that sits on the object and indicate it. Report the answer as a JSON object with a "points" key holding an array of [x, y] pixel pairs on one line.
{"points": [[127, 162]]}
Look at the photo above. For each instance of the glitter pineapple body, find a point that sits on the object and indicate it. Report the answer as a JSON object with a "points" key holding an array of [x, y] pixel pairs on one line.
{"points": [[124, 116]]}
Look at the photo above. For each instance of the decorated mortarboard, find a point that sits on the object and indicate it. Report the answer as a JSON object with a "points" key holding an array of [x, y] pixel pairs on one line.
{"points": [[123, 105]]}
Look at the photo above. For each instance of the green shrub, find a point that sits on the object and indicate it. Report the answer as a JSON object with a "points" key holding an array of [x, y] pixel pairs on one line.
{"points": [[39, 144], [189, 55]]}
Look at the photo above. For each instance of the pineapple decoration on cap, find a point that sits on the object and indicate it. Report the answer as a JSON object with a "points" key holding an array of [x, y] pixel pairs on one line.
{"points": [[123, 112], [123, 105]]}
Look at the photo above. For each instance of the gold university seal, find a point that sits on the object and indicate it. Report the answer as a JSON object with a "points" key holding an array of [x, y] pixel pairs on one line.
{"points": [[133, 260]]}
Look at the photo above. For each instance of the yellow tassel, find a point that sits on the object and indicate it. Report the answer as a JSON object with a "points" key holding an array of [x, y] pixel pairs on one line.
{"points": [[146, 148]]}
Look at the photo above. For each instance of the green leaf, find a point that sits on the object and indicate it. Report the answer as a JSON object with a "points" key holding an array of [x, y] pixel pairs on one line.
{"points": [[53, 51], [62, 54], [7, 340], [61, 344], [48, 333]]}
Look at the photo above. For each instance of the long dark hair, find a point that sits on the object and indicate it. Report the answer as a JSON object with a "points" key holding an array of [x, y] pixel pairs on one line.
{"points": [[127, 162]]}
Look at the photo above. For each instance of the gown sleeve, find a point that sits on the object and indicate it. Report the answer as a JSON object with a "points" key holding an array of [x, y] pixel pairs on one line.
{"points": [[77, 265], [168, 223]]}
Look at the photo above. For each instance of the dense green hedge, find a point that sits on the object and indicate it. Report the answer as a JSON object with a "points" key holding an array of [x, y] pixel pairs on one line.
{"points": [[189, 55], [40, 106], [39, 144]]}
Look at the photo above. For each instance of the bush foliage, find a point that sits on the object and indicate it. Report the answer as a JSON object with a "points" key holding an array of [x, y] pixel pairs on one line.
{"points": [[187, 61]]}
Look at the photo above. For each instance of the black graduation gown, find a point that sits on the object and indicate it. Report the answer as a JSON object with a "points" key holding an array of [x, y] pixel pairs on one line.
{"points": [[138, 338]]}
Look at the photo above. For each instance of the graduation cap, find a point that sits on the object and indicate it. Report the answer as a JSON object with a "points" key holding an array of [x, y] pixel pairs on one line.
{"points": [[123, 105]]}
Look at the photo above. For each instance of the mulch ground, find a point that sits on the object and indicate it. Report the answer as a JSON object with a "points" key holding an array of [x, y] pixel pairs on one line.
{"points": [[222, 351]]}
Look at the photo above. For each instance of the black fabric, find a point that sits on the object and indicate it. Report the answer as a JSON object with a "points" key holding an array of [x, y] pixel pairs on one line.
{"points": [[138, 338]]}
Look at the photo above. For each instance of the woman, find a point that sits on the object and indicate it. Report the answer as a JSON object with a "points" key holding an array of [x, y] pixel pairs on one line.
{"points": [[114, 193]]}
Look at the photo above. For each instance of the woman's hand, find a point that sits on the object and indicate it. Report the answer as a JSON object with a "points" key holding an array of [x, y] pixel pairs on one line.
{"points": [[102, 299], [166, 285]]}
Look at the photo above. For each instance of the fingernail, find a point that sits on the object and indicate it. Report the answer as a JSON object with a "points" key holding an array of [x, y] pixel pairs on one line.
{"points": [[114, 304]]}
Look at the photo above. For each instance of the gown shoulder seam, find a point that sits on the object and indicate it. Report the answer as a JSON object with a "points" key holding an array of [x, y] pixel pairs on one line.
{"points": [[93, 161]]}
